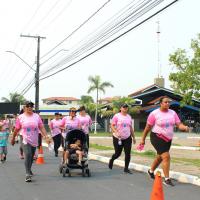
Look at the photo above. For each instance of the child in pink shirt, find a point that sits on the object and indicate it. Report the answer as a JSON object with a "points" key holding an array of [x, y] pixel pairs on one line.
{"points": [[56, 132]]}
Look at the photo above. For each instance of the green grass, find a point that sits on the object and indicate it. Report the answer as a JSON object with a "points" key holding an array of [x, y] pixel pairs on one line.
{"points": [[100, 147], [149, 153], [174, 144], [187, 161], [152, 154], [144, 154]]}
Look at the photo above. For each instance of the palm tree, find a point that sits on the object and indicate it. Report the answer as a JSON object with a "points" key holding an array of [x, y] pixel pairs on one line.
{"points": [[97, 85], [14, 98]]}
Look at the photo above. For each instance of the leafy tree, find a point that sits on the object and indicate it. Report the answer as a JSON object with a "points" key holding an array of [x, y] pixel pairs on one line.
{"points": [[14, 98], [97, 85], [85, 99], [186, 80], [114, 107]]}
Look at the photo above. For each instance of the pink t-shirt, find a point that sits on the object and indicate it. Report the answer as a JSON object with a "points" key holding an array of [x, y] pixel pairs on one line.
{"points": [[123, 125], [69, 124], [55, 127], [86, 122], [29, 126], [6, 124], [163, 122]]}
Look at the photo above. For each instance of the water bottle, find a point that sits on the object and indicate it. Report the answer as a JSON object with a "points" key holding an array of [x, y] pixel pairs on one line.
{"points": [[119, 141], [50, 147]]}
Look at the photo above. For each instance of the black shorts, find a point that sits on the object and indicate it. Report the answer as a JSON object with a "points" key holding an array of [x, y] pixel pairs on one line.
{"points": [[160, 145]]}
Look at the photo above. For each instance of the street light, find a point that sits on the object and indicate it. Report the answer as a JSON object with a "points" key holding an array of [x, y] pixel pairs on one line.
{"points": [[36, 74], [21, 59], [28, 66]]}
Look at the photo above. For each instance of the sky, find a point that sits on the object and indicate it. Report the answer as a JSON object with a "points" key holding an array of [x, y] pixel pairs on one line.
{"points": [[129, 63]]}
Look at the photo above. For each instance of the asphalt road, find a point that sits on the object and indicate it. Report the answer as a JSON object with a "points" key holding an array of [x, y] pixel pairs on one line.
{"points": [[104, 184]]}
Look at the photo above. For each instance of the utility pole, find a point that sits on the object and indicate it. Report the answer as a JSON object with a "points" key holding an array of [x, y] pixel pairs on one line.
{"points": [[37, 71]]}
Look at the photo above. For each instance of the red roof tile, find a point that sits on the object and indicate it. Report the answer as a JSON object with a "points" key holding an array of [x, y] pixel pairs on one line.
{"points": [[61, 99]]}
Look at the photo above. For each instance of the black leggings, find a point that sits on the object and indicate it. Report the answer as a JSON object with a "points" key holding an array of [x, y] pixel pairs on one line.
{"points": [[87, 140], [57, 142], [126, 144]]}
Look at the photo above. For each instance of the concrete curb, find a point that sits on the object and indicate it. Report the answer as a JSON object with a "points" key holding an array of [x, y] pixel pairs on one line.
{"points": [[181, 177], [186, 148]]}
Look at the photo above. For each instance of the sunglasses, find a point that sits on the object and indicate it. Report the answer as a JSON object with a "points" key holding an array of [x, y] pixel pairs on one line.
{"points": [[29, 106]]}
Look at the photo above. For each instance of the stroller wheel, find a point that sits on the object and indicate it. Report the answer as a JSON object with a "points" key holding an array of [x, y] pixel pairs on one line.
{"points": [[83, 172], [63, 171], [88, 172], [67, 171]]}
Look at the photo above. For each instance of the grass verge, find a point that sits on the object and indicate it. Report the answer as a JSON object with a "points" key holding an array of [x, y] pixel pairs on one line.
{"points": [[151, 154]]}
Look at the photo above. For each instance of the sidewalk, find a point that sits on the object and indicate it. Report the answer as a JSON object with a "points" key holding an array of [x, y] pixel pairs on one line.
{"points": [[181, 159]]}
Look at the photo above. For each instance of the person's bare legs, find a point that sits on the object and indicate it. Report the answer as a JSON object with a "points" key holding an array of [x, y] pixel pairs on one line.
{"points": [[80, 156], [1, 157], [65, 157], [156, 163], [166, 163]]}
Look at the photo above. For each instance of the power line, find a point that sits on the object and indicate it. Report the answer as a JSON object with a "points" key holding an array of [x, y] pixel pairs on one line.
{"points": [[111, 40], [108, 32], [77, 28], [46, 15], [106, 44], [100, 35], [58, 15], [34, 14]]}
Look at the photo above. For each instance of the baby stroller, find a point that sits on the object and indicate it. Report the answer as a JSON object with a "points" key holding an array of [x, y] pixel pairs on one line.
{"points": [[73, 135]]}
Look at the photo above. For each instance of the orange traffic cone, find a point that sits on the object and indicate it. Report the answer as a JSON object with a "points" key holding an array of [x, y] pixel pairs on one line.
{"points": [[40, 159], [157, 191]]}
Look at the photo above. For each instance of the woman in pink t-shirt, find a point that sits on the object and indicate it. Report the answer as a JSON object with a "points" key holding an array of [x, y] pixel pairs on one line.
{"points": [[29, 123], [161, 123], [123, 134], [56, 132], [85, 121], [69, 123]]}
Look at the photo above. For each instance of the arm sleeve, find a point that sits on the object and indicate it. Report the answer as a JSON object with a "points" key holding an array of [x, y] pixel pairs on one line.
{"points": [[18, 124], [62, 122], [151, 119], [177, 119], [114, 120], [51, 125], [40, 122]]}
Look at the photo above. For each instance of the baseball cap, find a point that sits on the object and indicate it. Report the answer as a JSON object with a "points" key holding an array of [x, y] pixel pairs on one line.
{"points": [[29, 103], [124, 105]]}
